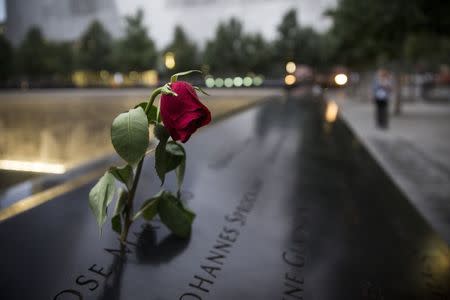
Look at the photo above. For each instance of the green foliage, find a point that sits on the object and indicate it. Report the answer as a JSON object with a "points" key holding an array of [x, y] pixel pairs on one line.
{"points": [[174, 215], [101, 196], [61, 58], [136, 51], [232, 51], [32, 55], [178, 150], [367, 32], [427, 48], [130, 136], [171, 210], [38, 58], [149, 208], [123, 174], [168, 157], [296, 43], [185, 51], [6, 58], [95, 48], [152, 111], [288, 42], [257, 53], [116, 219]]}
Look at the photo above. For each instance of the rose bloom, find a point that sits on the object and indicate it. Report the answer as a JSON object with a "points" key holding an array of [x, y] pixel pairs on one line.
{"points": [[182, 115]]}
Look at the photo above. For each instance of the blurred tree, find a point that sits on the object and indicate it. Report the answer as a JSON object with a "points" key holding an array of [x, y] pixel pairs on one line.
{"points": [[6, 59], [257, 54], [136, 51], [295, 43], [32, 57], [61, 60], [224, 53], [233, 52], [369, 32], [287, 45], [427, 49], [94, 48], [185, 51]]}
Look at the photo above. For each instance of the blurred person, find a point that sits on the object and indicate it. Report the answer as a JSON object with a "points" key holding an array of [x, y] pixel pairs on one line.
{"points": [[382, 90]]}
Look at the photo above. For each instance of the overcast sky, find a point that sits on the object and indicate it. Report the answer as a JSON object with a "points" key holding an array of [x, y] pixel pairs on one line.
{"points": [[201, 20], [2, 10]]}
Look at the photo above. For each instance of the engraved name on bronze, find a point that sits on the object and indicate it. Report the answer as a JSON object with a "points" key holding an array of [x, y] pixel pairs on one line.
{"points": [[294, 257], [209, 269]]}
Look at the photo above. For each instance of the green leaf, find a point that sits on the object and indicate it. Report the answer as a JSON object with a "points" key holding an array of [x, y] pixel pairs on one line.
{"points": [[161, 160], [175, 216], [116, 224], [123, 174], [129, 135], [160, 152], [189, 213], [152, 112], [161, 132], [177, 149], [149, 208], [101, 196], [180, 173], [199, 89], [175, 76], [168, 156], [116, 220]]}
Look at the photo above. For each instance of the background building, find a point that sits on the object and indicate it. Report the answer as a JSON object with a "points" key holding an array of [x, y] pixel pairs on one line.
{"points": [[60, 20]]}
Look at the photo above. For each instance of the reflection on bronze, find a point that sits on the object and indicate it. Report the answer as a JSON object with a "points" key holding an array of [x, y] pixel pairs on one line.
{"points": [[52, 193]]}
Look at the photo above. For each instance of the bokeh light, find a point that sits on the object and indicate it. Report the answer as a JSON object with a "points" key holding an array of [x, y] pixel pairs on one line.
{"points": [[228, 82], [331, 111], [247, 81], [258, 80], [219, 82], [291, 67], [289, 79], [237, 81], [340, 79], [209, 82], [169, 60]]}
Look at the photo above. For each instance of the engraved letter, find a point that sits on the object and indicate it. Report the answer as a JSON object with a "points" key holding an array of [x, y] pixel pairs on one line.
{"points": [[81, 281], [199, 285], [299, 263], [210, 270], [99, 271], [216, 257], [67, 292], [190, 296]]}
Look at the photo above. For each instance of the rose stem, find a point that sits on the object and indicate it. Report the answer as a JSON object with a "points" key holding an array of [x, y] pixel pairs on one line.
{"points": [[129, 207]]}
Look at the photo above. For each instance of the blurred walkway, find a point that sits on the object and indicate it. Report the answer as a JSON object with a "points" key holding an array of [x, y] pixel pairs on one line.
{"points": [[414, 151]]}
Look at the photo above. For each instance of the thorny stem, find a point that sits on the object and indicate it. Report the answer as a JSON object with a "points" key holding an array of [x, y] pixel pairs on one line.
{"points": [[129, 207]]}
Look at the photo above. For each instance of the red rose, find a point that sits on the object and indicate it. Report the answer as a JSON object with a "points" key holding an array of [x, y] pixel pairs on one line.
{"points": [[182, 115]]}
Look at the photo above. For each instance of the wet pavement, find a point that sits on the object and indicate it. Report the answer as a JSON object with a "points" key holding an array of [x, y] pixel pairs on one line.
{"points": [[289, 206], [414, 151]]}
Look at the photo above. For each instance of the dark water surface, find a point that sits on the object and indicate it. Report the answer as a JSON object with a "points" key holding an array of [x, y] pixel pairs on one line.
{"points": [[288, 206]]}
